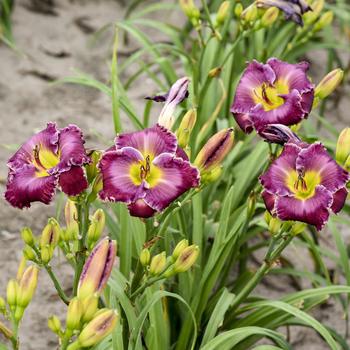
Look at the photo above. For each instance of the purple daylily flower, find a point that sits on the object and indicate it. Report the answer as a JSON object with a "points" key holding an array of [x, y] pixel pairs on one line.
{"points": [[293, 9], [50, 158], [147, 170], [273, 93], [279, 133], [304, 184]]}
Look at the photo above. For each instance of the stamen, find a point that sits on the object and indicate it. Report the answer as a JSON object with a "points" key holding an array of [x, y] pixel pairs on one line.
{"points": [[302, 182], [145, 170], [264, 95], [36, 150]]}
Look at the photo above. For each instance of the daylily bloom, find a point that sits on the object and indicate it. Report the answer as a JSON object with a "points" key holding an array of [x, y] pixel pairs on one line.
{"points": [[293, 9], [147, 170], [50, 158], [273, 93], [177, 93], [304, 184]]}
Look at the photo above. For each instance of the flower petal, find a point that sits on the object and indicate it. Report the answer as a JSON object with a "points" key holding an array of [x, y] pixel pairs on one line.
{"points": [[313, 211], [25, 187], [244, 122], [71, 149], [152, 141], [178, 176], [73, 181], [316, 158], [269, 200], [117, 182], [274, 179], [47, 138], [339, 199], [141, 209]]}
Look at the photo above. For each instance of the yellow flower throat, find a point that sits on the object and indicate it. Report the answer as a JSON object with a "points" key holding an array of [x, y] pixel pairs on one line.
{"points": [[268, 94]]}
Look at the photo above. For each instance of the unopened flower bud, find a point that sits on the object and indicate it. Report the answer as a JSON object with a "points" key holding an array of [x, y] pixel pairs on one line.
{"points": [[211, 175], [29, 253], [96, 226], [222, 13], [274, 224], [74, 314], [186, 126], [238, 9], [250, 14], [11, 293], [27, 286], [21, 268], [311, 16], [329, 83], [215, 150], [100, 327], [298, 228], [27, 236], [278, 133], [343, 147], [71, 216], [90, 306], [157, 264], [145, 257], [46, 254], [215, 72], [179, 248], [2, 306], [54, 324], [51, 234], [325, 20], [91, 168], [97, 268], [186, 259], [190, 10], [251, 204], [269, 17]]}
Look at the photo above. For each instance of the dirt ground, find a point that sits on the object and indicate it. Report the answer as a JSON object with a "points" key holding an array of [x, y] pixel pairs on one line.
{"points": [[53, 43]]}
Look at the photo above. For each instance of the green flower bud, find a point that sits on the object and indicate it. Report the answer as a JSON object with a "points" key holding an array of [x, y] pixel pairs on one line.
{"points": [[46, 254], [21, 268], [186, 126], [72, 225], [215, 72], [29, 253], [311, 16], [91, 169], [51, 234], [325, 20], [250, 14], [145, 257], [27, 236], [298, 228], [222, 13], [269, 17], [238, 10], [11, 293], [157, 264], [190, 10], [96, 227], [343, 147], [211, 175], [186, 259], [74, 314], [179, 248], [54, 324], [329, 83], [90, 307]]}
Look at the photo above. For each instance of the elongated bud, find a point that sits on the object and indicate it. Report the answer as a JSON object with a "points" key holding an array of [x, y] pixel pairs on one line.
{"points": [[51, 234], [190, 10], [325, 20], [27, 286], [183, 244], [311, 16], [278, 133], [186, 126], [100, 327], [274, 224], [250, 14], [21, 268], [215, 150], [222, 13], [27, 236], [54, 324], [29, 253], [11, 293], [96, 227], [145, 257], [186, 259], [46, 254], [297, 228], [90, 306], [91, 168], [97, 268], [238, 9], [251, 204], [343, 147], [177, 93], [74, 313], [269, 17], [72, 225], [329, 83], [211, 175], [157, 264]]}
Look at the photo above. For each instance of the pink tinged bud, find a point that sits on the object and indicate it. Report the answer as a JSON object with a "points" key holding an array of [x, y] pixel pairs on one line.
{"points": [[186, 259], [343, 147], [97, 268], [72, 225], [90, 307], [179, 248], [27, 286], [54, 324], [157, 264], [100, 327], [27, 236], [51, 234], [329, 83], [215, 150], [186, 126], [11, 293], [74, 314]]}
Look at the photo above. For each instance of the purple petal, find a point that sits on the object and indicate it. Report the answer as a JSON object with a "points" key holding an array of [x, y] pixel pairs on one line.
{"points": [[24, 186], [178, 176], [47, 138], [71, 149], [279, 133], [269, 200], [152, 141], [180, 153], [316, 158], [73, 181], [244, 122], [141, 209], [339, 199], [313, 211], [117, 182], [274, 179]]}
